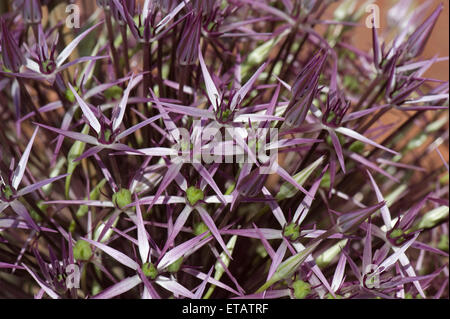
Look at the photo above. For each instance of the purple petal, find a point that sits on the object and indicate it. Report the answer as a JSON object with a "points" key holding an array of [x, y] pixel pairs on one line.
{"points": [[117, 255], [72, 45], [93, 122], [20, 170], [33, 187], [119, 288]]}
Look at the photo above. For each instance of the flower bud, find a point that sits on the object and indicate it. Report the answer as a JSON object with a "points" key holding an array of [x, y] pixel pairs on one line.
{"points": [[335, 110], [82, 250], [13, 58], [122, 198], [194, 194], [347, 223], [433, 217], [149, 270], [292, 231], [251, 185], [187, 50], [301, 289]]}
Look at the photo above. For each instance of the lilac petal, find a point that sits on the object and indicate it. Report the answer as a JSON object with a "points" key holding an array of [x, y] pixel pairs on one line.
{"points": [[201, 288], [92, 151], [318, 233], [245, 118], [442, 159], [38, 185], [73, 135], [79, 60], [119, 288], [144, 247], [211, 90], [268, 233], [93, 122], [124, 148], [20, 170], [96, 203], [209, 179], [358, 158], [49, 291], [367, 252], [404, 261], [240, 95], [123, 103], [212, 281], [161, 200], [349, 221], [337, 148], [179, 251], [352, 264], [290, 142], [276, 261], [276, 210], [98, 89], [179, 223], [191, 111], [271, 294], [72, 45], [117, 255], [401, 165], [13, 223], [425, 247], [10, 266], [106, 173], [170, 16], [158, 151], [265, 243], [174, 287], [338, 276], [26, 75], [105, 228], [388, 262], [149, 291], [209, 222], [429, 98], [137, 127], [22, 212], [220, 262], [303, 208], [377, 54], [422, 108], [287, 177], [171, 173], [359, 114], [44, 109], [384, 210], [440, 201], [359, 137], [320, 277]]}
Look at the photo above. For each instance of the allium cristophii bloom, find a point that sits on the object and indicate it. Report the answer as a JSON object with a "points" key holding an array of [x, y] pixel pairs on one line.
{"points": [[223, 149]]}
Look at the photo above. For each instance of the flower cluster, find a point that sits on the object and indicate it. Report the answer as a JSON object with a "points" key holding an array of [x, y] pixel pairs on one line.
{"points": [[221, 149]]}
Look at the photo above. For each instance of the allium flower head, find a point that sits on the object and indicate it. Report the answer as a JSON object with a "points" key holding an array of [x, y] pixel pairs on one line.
{"points": [[223, 149]]}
